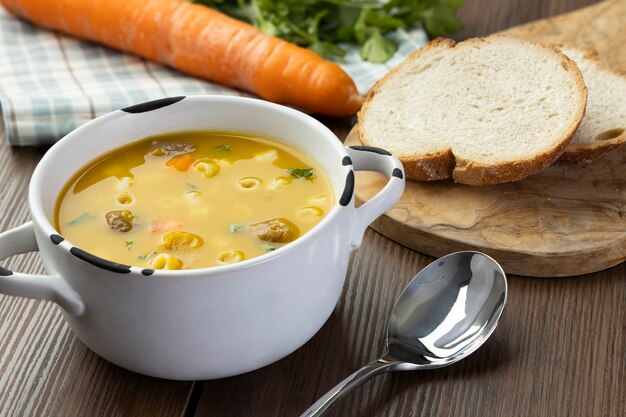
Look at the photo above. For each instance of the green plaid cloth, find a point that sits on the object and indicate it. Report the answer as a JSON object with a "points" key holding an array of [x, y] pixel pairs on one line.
{"points": [[50, 83]]}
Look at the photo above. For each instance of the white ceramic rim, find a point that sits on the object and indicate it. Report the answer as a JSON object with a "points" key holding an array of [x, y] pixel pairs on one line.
{"points": [[47, 162]]}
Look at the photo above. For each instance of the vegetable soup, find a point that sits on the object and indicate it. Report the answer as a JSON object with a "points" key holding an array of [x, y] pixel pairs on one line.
{"points": [[193, 200]]}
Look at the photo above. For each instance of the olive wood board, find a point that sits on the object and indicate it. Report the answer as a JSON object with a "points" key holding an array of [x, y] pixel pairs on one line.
{"points": [[564, 221]]}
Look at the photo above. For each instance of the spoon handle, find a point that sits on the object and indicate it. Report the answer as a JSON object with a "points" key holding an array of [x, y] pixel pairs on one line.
{"points": [[325, 403]]}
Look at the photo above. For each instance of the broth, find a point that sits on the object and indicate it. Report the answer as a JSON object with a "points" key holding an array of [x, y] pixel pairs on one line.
{"points": [[192, 200]]}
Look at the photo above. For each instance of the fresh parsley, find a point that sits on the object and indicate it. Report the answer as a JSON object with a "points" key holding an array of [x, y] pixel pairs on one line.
{"points": [[306, 173], [147, 256], [269, 247], [322, 25], [129, 244], [235, 227], [223, 148], [191, 186]]}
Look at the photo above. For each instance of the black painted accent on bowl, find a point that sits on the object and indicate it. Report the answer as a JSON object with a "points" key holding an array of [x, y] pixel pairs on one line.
{"points": [[346, 161], [56, 239], [99, 262], [371, 149], [397, 172], [348, 189], [5, 272], [152, 105], [147, 271]]}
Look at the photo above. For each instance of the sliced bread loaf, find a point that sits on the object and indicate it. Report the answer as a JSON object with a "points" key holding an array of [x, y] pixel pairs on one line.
{"points": [[483, 111], [604, 126]]}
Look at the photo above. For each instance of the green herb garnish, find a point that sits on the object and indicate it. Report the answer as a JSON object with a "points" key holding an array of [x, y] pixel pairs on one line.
{"points": [[269, 247], [191, 186], [321, 25], [82, 218], [235, 227], [144, 257], [129, 244], [306, 173], [223, 148], [377, 48]]}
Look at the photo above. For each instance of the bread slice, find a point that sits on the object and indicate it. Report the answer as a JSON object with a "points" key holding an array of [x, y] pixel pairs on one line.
{"points": [[604, 126], [483, 111]]}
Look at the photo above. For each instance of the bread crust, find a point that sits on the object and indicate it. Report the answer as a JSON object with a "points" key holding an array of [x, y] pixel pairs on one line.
{"points": [[577, 154], [444, 164], [591, 150]]}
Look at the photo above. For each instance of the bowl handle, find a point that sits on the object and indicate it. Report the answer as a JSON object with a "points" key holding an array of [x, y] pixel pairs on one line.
{"points": [[368, 158], [44, 287]]}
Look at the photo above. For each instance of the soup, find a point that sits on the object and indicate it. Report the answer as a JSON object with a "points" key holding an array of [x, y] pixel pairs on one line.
{"points": [[193, 200]]}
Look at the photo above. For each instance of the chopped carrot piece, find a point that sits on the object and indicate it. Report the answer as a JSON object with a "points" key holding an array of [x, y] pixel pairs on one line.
{"points": [[164, 225], [181, 162]]}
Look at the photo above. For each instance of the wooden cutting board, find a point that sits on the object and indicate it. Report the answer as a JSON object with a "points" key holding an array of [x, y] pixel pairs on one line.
{"points": [[564, 221]]}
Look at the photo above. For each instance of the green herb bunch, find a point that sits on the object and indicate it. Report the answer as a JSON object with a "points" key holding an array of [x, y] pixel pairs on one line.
{"points": [[322, 24]]}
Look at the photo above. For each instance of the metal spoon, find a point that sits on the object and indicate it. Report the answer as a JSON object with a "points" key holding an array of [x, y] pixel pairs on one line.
{"points": [[447, 311]]}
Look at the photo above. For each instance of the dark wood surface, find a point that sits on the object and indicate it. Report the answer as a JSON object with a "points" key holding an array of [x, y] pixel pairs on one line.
{"points": [[558, 351]]}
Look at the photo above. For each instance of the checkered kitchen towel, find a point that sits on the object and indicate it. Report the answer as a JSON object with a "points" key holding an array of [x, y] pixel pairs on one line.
{"points": [[50, 84]]}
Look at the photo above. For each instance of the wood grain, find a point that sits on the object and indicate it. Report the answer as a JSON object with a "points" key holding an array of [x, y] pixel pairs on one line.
{"points": [[482, 17], [564, 221]]}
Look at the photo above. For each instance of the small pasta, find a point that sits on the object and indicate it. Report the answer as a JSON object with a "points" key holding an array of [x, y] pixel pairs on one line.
{"points": [[268, 156], [165, 261], [250, 183], [310, 213], [207, 167], [124, 184], [125, 198], [279, 183], [230, 257], [181, 241], [319, 200]]}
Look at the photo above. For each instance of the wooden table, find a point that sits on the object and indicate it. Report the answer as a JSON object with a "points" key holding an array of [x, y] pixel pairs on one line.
{"points": [[558, 351]]}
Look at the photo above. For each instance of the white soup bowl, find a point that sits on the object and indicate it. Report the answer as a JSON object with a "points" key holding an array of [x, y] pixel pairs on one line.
{"points": [[198, 323]]}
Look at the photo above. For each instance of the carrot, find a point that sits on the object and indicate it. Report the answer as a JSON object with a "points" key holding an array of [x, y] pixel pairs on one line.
{"points": [[181, 162], [202, 42], [163, 225]]}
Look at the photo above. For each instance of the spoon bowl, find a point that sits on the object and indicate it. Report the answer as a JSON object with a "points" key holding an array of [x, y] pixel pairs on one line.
{"points": [[448, 310]]}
